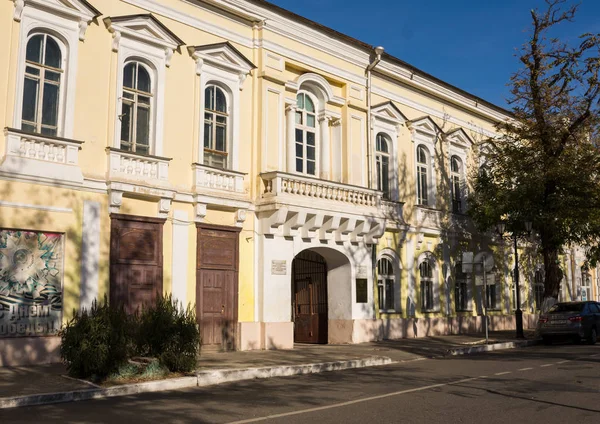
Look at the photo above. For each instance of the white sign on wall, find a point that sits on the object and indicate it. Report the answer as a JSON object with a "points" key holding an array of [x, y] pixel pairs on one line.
{"points": [[361, 271], [278, 267]]}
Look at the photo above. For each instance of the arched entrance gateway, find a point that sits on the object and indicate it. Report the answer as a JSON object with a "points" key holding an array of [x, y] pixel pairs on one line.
{"points": [[309, 298]]}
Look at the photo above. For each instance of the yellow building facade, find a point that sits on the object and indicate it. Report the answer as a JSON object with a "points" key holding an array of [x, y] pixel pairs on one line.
{"points": [[293, 183]]}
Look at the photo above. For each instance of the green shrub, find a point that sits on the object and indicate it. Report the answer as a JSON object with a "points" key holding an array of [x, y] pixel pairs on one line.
{"points": [[97, 342], [170, 333]]}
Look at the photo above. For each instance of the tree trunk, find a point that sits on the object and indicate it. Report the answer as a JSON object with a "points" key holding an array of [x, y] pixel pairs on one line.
{"points": [[553, 278]]}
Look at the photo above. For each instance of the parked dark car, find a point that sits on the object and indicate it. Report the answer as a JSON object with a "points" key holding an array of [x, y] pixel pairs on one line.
{"points": [[574, 320]]}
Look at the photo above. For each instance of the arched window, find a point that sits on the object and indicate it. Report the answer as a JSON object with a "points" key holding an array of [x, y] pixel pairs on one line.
{"points": [[461, 289], [136, 109], [385, 284], [306, 135], [422, 176], [382, 160], [216, 120], [44, 75], [456, 184], [427, 295]]}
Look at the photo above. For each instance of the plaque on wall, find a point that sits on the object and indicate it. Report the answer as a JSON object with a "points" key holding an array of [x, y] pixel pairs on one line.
{"points": [[31, 275], [362, 293], [361, 271], [278, 267]]}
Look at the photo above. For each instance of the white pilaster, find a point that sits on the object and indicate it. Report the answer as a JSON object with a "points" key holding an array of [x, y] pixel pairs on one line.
{"points": [[324, 163], [90, 253], [180, 256], [290, 117]]}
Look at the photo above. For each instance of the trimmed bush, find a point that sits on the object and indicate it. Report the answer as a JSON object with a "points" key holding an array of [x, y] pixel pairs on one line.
{"points": [[97, 342], [170, 333]]}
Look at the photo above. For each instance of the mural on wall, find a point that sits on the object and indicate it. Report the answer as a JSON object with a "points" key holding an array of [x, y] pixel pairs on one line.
{"points": [[31, 273]]}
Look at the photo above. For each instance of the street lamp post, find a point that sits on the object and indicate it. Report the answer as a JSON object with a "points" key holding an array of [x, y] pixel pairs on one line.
{"points": [[518, 312]]}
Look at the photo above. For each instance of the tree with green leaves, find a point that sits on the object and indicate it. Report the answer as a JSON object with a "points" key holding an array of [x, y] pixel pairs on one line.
{"points": [[544, 166]]}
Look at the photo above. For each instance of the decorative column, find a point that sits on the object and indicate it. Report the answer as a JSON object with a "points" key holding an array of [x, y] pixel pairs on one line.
{"points": [[324, 160], [336, 147], [290, 116]]}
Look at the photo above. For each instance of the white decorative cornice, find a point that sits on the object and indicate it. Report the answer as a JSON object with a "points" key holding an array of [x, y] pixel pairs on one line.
{"points": [[315, 80], [75, 10], [222, 56], [425, 126], [458, 137], [146, 29]]}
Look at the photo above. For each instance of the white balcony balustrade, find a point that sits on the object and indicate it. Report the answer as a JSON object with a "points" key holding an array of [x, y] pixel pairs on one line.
{"points": [[208, 177], [134, 167], [306, 191], [38, 156]]}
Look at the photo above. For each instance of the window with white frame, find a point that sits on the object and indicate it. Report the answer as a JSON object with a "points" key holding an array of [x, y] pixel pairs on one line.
{"points": [[422, 176], [382, 164], [44, 79], [461, 287], [427, 287], [216, 120], [385, 284], [306, 134], [586, 285], [136, 108], [456, 183]]}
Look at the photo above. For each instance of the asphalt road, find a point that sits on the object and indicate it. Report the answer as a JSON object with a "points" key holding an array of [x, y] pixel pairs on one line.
{"points": [[544, 384]]}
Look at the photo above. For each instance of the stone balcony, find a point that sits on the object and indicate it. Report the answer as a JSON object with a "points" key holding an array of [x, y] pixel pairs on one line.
{"points": [[223, 181], [299, 190], [428, 218], [41, 157], [393, 213], [149, 170]]}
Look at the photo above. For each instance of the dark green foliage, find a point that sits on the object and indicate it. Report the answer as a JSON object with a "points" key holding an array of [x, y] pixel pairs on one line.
{"points": [[170, 333], [97, 342]]}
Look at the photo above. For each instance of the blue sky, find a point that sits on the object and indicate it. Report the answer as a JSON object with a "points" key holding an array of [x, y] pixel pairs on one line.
{"points": [[467, 43]]}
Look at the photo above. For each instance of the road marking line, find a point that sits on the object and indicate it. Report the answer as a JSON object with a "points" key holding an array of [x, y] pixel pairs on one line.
{"points": [[593, 356], [562, 362], [353, 402], [503, 373], [546, 365], [525, 369]]}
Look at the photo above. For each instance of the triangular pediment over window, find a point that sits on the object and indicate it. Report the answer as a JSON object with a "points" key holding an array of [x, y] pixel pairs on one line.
{"points": [[425, 125], [388, 111], [145, 28], [77, 10], [222, 55], [459, 137]]}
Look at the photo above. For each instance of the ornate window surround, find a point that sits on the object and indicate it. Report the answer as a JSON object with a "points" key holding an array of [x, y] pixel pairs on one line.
{"points": [[389, 120], [393, 257], [66, 22], [223, 65], [145, 39], [459, 144], [321, 90], [425, 132]]}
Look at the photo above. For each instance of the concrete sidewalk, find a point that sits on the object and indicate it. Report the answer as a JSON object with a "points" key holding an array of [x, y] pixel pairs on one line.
{"points": [[49, 383]]}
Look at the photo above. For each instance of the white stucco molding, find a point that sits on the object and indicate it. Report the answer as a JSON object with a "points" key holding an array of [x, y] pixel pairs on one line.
{"points": [[320, 85], [223, 56], [145, 29], [79, 11], [117, 190]]}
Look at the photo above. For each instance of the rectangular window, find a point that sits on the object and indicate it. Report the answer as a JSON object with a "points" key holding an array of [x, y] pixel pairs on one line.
{"points": [[362, 291], [385, 291], [462, 294], [456, 195], [491, 296], [422, 186]]}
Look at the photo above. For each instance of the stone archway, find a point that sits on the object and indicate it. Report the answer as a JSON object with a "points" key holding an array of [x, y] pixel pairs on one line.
{"points": [[321, 292]]}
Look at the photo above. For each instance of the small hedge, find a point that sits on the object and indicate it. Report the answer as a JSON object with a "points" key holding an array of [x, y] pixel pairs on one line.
{"points": [[97, 342], [100, 342], [170, 333]]}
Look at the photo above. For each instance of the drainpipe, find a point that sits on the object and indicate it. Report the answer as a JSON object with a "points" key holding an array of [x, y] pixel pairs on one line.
{"points": [[378, 52]]}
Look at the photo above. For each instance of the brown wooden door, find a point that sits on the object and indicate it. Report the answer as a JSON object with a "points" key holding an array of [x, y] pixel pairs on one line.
{"points": [[136, 260], [217, 286], [309, 301]]}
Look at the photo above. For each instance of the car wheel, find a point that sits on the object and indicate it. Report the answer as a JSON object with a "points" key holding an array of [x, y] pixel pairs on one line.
{"points": [[593, 337], [547, 340]]}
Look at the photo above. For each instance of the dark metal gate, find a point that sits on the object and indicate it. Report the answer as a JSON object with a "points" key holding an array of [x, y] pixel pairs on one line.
{"points": [[309, 302]]}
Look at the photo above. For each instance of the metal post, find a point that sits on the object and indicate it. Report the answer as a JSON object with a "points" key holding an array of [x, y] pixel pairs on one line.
{"points": [[485, 301], [518, 312]]}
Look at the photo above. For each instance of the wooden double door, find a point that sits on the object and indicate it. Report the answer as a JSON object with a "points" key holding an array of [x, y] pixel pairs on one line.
{"points": [[309, 298], [217, 286], [136, 260]]}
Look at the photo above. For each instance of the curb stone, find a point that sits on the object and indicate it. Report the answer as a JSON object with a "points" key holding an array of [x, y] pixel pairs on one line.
{"points": [[201, 379], [491, 347]]}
